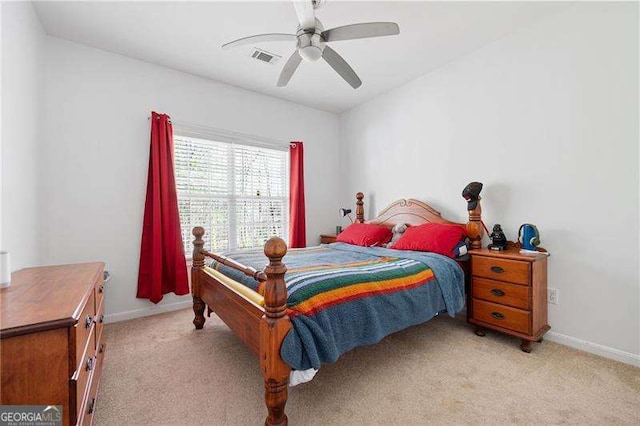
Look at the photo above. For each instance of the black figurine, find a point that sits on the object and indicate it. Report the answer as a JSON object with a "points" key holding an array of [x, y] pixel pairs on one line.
{"points": [[498, 239]]}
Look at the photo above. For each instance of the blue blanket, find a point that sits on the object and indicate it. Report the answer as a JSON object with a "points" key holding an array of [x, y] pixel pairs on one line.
{"points": [[342, 296]]}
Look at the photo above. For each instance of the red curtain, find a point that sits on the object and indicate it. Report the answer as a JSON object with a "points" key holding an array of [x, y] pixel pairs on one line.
{"points": [[297, 226], [163, 267]]}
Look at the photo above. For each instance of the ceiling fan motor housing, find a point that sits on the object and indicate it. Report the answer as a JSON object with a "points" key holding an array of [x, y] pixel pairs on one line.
{"points": [[310, 42]]}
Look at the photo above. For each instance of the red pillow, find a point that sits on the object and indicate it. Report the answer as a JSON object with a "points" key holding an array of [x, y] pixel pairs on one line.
{"points": [[365, 234], [438, 238]]}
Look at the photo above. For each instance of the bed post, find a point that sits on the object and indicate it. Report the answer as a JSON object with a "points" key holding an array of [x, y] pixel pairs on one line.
{"points": [[274, 327], [475, 227], [196, 268], [359, 207]]}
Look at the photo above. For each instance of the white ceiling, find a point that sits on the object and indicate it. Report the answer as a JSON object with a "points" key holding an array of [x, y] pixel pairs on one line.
{"points": [[187, 36]]}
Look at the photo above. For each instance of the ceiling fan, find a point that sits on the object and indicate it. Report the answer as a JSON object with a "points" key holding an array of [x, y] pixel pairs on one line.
{"points": [[312, 39]]}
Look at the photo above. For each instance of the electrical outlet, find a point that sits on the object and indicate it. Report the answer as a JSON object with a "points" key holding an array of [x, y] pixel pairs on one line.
{"points": [[553, 296]]}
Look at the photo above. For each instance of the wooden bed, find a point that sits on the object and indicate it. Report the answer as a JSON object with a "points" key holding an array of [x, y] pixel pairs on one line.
{"points": [[261, 322]]}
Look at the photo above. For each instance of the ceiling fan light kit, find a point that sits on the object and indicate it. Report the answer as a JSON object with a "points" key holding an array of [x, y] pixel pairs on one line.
{"points": [[310, 44], [311, 39]]}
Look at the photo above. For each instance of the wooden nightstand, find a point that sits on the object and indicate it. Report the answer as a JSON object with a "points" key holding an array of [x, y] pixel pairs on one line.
{"points": [[509, 294], [327, 238]]}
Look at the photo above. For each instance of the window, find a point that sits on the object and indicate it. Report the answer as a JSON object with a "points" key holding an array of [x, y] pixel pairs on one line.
{"points": [[237, 192]]}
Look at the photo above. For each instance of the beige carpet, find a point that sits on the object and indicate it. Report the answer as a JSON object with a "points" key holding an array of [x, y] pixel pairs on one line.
{"points": [[160, 371]]}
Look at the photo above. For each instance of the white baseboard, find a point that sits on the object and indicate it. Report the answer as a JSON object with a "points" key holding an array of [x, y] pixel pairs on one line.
{"points": [[594, 348], [144, 312]]}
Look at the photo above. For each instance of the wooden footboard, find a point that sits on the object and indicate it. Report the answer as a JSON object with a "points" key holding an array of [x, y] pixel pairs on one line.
{"points": [[261, 328]]}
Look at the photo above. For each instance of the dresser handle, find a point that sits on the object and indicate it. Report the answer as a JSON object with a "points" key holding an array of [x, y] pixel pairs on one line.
{"points": [[101, 320], [89, 364], [101, 348], [497, 292], [92, 404], [101, 288], [88, 321], [497, 269], [497, 315]]}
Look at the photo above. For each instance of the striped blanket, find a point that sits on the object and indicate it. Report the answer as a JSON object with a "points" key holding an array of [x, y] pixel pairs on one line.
{"points": [[342, 296]]}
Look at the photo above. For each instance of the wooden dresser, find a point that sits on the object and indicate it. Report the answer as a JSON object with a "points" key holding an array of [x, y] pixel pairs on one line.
{"points": [[51, 321], [509, 294]]}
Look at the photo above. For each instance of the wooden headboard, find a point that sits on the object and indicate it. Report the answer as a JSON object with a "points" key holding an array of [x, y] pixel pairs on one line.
{"points": [[415, 212]]}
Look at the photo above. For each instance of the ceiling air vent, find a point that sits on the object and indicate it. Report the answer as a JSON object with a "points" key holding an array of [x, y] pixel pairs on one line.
{"points": [[264, 56]]}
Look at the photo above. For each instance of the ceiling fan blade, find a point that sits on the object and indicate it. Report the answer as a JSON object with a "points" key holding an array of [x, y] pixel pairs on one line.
{"points": [[258, 38], [289, 68], [341, 67], [364, 30], [306, 16]]}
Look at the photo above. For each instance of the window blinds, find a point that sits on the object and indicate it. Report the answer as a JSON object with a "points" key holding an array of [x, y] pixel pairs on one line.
{"points": [[237, 192]]}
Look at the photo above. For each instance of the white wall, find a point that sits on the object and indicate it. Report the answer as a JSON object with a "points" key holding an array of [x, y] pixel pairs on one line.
{"points": [[22, 116], [97, 149], [547, 119]]}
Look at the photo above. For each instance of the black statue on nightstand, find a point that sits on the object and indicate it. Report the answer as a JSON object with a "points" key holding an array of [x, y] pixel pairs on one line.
{"points": [[498, 239]]}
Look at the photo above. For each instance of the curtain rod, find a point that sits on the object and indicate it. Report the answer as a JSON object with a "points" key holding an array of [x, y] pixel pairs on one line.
{"points": [[228, 133]]}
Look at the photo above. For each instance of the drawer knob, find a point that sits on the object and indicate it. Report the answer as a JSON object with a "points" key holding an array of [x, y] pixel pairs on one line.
{"points": [[497, 292], [101, 348], [101, 289], [92, 404], [101, 320], [497, 269], [88, 321], [89, 364], [497, 315]]}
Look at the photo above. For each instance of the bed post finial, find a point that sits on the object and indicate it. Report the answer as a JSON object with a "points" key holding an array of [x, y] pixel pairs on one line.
{"points": [[274, 327], [359, 207], [197, 266], [198, 244], [275, 291]]}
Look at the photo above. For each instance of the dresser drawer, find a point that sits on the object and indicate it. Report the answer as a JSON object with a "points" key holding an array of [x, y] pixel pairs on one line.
{"points": [[502, 316], [99, 290], [501, 269], [90, 406], [83, 329], [81, 378], [500, 292], [99, 320], [89, 409]]}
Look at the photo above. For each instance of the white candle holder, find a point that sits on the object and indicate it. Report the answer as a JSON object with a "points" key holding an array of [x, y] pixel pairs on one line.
{"points": [[5, 270]]}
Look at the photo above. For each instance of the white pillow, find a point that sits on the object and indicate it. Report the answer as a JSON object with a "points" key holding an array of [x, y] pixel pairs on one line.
{"points": [[397, 230]]}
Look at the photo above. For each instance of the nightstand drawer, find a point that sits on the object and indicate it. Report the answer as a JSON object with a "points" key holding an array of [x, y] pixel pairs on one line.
{"points": [[501, 269], [502, 293], [502, 316]]}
